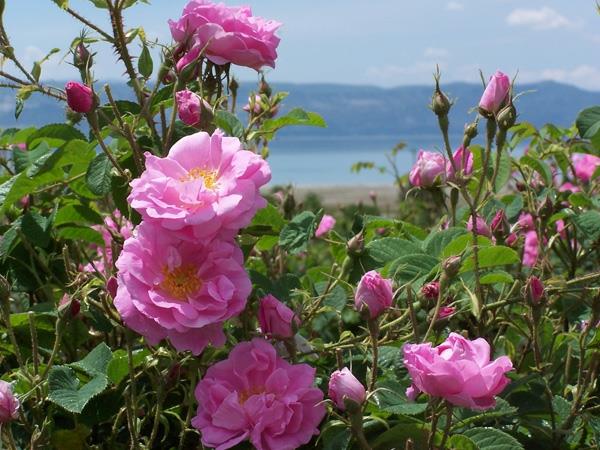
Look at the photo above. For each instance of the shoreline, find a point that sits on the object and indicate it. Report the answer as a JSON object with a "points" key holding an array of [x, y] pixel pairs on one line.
{"points": [[340, 195]]}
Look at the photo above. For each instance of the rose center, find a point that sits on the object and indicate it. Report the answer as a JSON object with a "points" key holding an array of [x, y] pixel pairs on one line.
{"points": [[210, 177], [181, 282], [243, 396]]}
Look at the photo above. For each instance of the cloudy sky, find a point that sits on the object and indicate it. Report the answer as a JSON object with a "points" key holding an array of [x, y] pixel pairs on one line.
{"points": [[381, 42]]}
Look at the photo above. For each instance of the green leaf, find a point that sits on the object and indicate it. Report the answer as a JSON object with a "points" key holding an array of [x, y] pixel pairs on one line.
{"points": [[54, 135], [77, 213], [64, 388], [460, 244], [588, 123], [439, 240], [267, 219], [540, 167], [504, 170], [118, 368], [145, 65], [390, 397], [498, 276], [466, 417], [64, 4], [96, 361], [486, 438], [81, 234], [407, 428], [294, 237], [491, 257], [34, 227], [589, 224], [296, 116], [98, 175], [229, 123], [388, 249], [24, 159], [336, 297], [411, 267], [336, 437]]}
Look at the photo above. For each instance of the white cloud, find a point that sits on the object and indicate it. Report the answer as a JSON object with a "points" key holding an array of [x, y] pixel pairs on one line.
{"points": [[392, 75], [584, 76], [454, 6], [544, 18], [436, 53]]}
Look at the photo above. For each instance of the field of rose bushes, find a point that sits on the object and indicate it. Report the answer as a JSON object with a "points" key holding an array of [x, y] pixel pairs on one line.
{"points": [[157, 292]]}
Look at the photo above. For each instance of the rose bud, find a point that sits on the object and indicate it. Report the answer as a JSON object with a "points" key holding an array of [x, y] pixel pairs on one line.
{"points": [[80, 97], [9, 404], [187, 66], [463, 162], [412, 392], [445, 312], [327, 223], [254, 105], [276, 319], [112, 286], [73, 305], [440, 104], [431, 290], [481, 227], [470, 134], [535, 290], [507, 117], [451, 266], [189, 107], [373, 292], [82, 58], [356, 244], [495, 94], [344, 387], [429, 170], [500, 226]]}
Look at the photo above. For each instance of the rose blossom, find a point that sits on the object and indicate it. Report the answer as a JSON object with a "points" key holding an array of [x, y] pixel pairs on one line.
{"points": [[189, 106], [585, 165], [458, 370], [429, 169], [531, 249], [344, 385], [9, 404], [374, 292], [276, 319], [495, 93], [171, 288], [431, 290], [255, 395], [80, 97], [325, 225], [227, 34], [463, 161], [207, 184]]}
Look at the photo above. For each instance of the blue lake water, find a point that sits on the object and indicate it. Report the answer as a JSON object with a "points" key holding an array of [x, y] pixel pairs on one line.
{"points": [[326, 162]]}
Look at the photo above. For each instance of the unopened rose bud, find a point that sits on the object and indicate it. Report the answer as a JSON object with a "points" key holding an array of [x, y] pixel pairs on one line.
{"points": [[412, 392], [535, 290], [507, 117], [440, 104], [451, 266], [344, 387], [80, 97], [325, 225], [431, 290], [187, 66], [500, 226], [373, 292], [445, 312], [82, 58], [264, 88], [190, 107], [495, 94], [233, 86], [276, 319], [69, 305], [9, 404], [356, 244], [469, 134], [111, 286]]}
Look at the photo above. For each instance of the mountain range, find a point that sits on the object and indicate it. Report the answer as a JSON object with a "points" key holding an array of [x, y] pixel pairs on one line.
{"points": [[352, 110]]}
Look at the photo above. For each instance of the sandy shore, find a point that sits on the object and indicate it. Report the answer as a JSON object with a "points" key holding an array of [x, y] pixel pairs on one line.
{"points": [[334, 196]]}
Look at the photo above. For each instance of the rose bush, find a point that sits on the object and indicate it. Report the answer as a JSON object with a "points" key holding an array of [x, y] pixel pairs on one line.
{"points": [[156, 292]]}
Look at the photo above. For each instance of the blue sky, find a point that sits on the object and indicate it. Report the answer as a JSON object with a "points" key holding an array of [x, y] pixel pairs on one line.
{"points": [[380, 42]]}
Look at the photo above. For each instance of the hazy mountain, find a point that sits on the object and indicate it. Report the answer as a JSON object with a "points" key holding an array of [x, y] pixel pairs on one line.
{"points": [[366, 110]]}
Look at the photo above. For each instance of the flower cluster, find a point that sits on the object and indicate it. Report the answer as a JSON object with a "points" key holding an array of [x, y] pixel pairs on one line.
{"points": [[181, 274]]}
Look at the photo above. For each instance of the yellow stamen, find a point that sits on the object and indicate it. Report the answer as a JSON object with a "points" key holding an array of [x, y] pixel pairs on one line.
{"points": [[210, 177], [181, 282]]}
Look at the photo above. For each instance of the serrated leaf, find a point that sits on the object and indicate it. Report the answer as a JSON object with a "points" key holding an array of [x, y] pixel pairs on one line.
{"points": [[64, 388], [460, 244], [81, 233], [540, 167], [336, 437], [118, 368], [388, 249], [145, 64], [54, 135], [336, 297], [96, 361], [229, 123], [411, 267], [496, 277], [588, 122], [98, 177], [589, 224], [34, 227], [294, 237], [296, 116], [486, 438], [491, 257], [438, 241]]}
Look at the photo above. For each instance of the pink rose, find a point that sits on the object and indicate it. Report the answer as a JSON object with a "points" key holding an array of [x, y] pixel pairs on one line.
{"points": [[535, 289], [228, 34], [205, 186], [276, 319], [585, 165], [567, 186], [458, 370], [374, 292], [431, 290], [463, 161], [257, 105], [481, 227], [500, 226], [445, 312], [256, 395], [9, 404], [325, 225], [344, 385], [172, 288], [531, 250], [495, 94], [526, 222], [412, 392], [430, 169], [189, 106], [79, 97]]}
